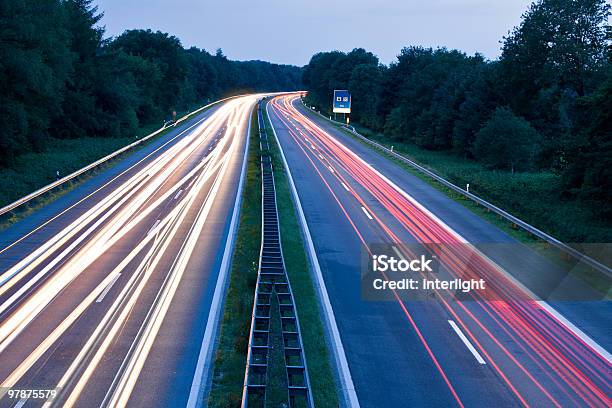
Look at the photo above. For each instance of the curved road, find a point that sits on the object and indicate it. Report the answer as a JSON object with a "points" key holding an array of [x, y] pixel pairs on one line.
{"points": [[506, 346], [106, 293]]}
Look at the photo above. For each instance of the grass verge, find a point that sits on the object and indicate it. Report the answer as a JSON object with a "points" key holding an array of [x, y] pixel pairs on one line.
{"points": [[33, 171], [531, 196], [324, 388], [457, 170], [230, 358]]}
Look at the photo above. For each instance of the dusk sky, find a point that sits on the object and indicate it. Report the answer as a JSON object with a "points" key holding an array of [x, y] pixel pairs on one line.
{"points": [[292, 31]]}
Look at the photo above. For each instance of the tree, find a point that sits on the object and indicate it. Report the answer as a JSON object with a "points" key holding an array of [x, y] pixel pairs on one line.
{"points": [[480, 98], [588, 174], [317, 76], [552, 58], [202, 74], [422, 93], [328, 71], [506, 142], [80, 115], [34, 64], [365, 86], [60, 78], [166, 54], [559, 42]]}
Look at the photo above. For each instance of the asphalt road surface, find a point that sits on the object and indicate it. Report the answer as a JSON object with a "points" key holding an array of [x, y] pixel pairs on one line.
{"points": [[508, 346], [106, 293]]}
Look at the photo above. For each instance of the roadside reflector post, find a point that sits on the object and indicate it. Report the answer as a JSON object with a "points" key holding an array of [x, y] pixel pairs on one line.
{"points": [[467, 186]]}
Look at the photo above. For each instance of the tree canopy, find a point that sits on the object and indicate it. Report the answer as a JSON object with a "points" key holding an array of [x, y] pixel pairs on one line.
{"points": [[506, 142], [544, 105], [59, 77]]}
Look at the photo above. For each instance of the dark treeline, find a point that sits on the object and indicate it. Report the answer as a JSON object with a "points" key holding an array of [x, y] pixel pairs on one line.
{"points": [[544, 105], [59, 77]]}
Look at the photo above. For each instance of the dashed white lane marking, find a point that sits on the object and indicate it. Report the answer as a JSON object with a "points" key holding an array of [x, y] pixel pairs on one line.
{"points": [[107, 289], [366, 213], [178, 194], [398, 253], [345, 186], [153, 227], [331, 168], [320, 157], [21, 403], [467, 343]]}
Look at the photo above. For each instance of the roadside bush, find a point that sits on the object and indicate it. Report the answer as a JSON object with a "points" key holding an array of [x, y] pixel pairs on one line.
{"points": [[506, 142]]}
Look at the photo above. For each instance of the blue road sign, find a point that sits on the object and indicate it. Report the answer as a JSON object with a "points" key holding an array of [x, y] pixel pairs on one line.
{"points": [[342, 101]]}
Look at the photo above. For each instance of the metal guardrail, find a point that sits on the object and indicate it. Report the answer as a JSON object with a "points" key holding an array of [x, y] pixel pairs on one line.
{"points": [[51, 186], [504, 214], [272, 281]]}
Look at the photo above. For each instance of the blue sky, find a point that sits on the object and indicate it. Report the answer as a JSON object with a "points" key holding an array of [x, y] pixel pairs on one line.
{"points": [[291, 31]]}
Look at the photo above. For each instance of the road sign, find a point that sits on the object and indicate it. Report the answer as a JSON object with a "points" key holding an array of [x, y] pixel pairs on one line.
{"points": [[342, 101]]}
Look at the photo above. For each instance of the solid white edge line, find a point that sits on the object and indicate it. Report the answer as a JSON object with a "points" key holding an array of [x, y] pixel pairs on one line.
{"points": [[348, 388], [584, 337], [106, 184], [366, 213], [107, 289], [203, 366], [467, 343], [545, 305], [69, 177]]}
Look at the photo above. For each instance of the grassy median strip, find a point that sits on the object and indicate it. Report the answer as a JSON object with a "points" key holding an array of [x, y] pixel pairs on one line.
{"points": [[230, 359], [276, 385], [324, 388]]}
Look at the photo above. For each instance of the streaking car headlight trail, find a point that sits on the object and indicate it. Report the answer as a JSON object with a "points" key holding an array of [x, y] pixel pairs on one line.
{"points": [[121, 261], [532, 350]]}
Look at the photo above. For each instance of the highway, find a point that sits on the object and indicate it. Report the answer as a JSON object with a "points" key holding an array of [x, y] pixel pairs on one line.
{"points": [[110, 294], [512, 346]]}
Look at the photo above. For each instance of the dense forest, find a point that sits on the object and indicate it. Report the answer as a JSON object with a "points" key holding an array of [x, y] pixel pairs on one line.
{"points": [[61, 79], [545, 105], [538, 119]]}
